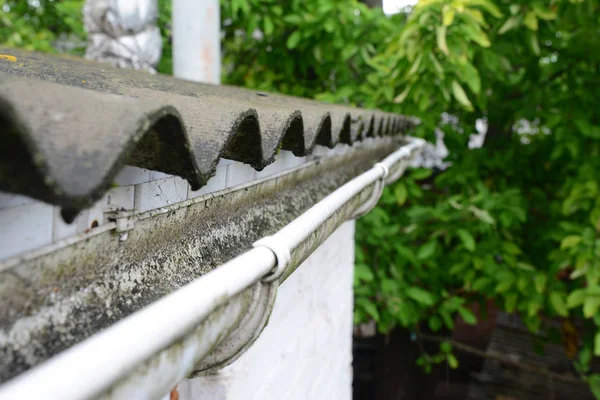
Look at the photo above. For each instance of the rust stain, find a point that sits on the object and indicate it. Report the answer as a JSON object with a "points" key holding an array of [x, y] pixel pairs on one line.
{"points": [[8, 58], [207, 54], [207, 60], [210, 14]]}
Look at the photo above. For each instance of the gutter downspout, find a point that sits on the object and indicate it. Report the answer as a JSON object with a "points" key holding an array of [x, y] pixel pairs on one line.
{"points": [[101, 365]]}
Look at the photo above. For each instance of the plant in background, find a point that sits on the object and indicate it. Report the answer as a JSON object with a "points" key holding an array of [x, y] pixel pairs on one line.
{"points": [[311, 48], [517, 221], [42, 25]]}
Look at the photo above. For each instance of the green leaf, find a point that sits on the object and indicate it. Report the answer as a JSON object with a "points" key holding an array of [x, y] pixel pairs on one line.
{"points": [[427, 250], [533, 43], [511, 248], [597, 344], [540, 283], [440, 34], [482, 215], [268, 26], [575, 298], [477, 35], [293, 40], [421, 296], [447, 15], [293, 19], [533, 307], [445, 347], [467, 239], [470, 75], [481, 283], [531, 21], [585, 355], [488, 6], [587, 129], [415, 66], [525, 267], [369, 307], [461, 96], [558, 303], [371, 310], [400, 193], [590, 306], [435, 324], [594, 382], [570, 241], [467, 316], [419, 174], [510, 302], [402, 96], [329, 25], [452, 361], [363, 272], [439, 70], [447, 319], [544, 13], [510, 23]]}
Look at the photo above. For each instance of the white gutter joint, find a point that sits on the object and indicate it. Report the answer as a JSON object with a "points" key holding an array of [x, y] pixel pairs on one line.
{"points": [[282, 255]]}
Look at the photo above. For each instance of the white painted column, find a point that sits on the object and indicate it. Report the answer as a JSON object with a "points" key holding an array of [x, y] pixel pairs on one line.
{"points": [[196, 40]]}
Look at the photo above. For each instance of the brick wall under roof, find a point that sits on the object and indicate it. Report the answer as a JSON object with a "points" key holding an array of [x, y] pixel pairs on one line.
{"points": [[27, 224]]}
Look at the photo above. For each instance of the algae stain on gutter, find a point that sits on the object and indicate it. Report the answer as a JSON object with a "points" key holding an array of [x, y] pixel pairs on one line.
{"points": [[101, 280], [164, 370]]}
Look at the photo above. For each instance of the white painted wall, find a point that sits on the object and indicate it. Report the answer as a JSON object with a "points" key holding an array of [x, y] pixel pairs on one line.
{"points": [[305, 352]]}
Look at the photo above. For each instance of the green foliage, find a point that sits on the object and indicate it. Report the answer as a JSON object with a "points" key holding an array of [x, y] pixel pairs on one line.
{"points": [[311, 48], [36, 26], [517, 221]]}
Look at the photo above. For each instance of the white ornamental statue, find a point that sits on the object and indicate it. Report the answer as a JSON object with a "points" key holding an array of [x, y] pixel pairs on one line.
{"points": [[123, 32]]}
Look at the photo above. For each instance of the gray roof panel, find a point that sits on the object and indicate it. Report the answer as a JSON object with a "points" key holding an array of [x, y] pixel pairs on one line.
{"points": [[69, 125]]}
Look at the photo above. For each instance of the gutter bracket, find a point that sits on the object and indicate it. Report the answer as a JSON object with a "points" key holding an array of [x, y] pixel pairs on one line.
{"points": [[375, 194], [125, 220], [282, 254]]}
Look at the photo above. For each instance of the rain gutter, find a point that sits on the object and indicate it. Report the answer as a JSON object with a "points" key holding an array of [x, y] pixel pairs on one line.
{"points": [[209, 322]]}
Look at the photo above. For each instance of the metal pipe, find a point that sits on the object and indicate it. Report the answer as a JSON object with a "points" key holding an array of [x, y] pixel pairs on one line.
{"points": [[293, 234], [196, 40], [90, 368], [94, 366]]}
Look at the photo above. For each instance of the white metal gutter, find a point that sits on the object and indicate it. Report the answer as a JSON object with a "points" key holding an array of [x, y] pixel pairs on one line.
{"points": [[117, 363]]}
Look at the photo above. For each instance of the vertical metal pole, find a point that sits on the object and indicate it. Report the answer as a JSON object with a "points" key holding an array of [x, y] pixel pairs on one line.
{"points": [[196, 40]]}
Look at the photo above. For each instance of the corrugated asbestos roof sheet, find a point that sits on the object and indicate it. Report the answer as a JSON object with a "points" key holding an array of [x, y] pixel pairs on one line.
{"points": [[69, 125]]}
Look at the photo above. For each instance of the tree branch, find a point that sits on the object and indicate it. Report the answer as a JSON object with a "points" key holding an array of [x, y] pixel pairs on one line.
{"points": [[506, 361]]}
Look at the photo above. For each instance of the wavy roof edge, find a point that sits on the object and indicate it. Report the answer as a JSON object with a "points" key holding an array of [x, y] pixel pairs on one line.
{"points": [[69, 126]]}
